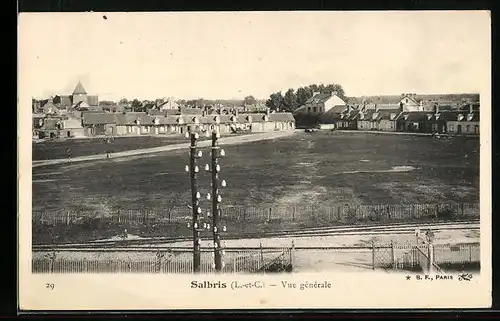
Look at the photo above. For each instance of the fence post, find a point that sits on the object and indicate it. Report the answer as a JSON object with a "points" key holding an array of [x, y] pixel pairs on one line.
{"points": [[373, 254], [393, 255], [270, 213], [437, 210], [261, 253], [292, 255], [430, 254], [67, 218], [470, 252], [293, 213], [119, 216]]}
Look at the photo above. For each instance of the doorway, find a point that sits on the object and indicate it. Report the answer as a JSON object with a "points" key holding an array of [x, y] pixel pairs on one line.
{"points": [[68, 134], [459, 129]]}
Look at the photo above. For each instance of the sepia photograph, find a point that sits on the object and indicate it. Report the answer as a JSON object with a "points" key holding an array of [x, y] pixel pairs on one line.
{"points": [[220, 145]]}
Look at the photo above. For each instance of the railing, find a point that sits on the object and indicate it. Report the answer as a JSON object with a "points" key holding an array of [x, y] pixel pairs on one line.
{"points": [[171, 262], [416, 257], [240, 214]]}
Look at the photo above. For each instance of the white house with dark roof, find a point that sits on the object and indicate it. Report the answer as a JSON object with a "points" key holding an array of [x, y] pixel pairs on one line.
{"points": [[321, 103], [149, 124]]}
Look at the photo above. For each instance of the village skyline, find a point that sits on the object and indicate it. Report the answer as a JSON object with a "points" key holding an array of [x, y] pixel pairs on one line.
{"points": [[271, 52]]}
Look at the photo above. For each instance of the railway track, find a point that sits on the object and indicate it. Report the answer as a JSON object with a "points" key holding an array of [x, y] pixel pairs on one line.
{"points": [[402, 228]]}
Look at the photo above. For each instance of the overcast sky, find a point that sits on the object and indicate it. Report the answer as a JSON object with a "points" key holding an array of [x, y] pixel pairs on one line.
{"points": [[231, 55]]}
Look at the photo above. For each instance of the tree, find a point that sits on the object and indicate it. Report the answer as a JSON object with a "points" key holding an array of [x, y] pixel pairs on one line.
{"points": [[290, 101], [303, 94], [107, 103], [123, 101], [136, 105], [275, 101], [56, 99], [249, 100]]}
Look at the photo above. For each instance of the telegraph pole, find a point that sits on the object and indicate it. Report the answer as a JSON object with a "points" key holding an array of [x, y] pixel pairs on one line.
{"points": [[216, 199], [195, 196]]}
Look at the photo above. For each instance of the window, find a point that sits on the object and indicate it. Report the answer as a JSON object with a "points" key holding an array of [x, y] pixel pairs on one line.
{"points": [[467, 128], [451, 128], [407, 100], [309, 109], [314, 109]]}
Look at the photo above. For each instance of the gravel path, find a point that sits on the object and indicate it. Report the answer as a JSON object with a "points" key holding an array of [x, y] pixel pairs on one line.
{"points": [[222, 141]]}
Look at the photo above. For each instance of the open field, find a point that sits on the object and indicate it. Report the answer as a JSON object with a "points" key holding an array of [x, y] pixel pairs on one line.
{"points": [[95, 146], [304, 169]]}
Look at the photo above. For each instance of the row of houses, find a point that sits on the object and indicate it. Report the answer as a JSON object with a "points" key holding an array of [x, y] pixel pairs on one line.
{"points": [[142, 123], [398, 114], [396, 120]]}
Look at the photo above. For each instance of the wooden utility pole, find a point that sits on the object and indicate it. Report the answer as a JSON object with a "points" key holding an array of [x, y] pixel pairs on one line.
{"points": [[216, 199], [193, 170]]}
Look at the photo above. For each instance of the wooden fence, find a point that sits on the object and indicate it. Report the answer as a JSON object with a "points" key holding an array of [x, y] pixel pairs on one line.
{"points": [[239, 214]]}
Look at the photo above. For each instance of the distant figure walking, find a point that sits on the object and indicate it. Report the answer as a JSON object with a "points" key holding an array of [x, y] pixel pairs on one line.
{"points": [[68, 152]]}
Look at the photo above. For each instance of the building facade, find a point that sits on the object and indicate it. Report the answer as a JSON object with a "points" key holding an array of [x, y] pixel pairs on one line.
{"points": [[96, 124], [321, 103]]}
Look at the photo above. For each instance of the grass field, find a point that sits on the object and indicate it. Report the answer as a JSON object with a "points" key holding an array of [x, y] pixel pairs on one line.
{"points": [[95, 146], [303, 169]]}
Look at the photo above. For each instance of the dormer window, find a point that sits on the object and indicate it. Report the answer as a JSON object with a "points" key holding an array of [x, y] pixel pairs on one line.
{"points": [[249, 119], [265, 118], [217, 119], [429, 116], [361, 115], [196, 120], [156, 121], [437, 116], [138, 121], [392, 116], [374, 115], [233, 118], [180, 120], [406, 117], [342, 116], [469, 117], [460, 117]]}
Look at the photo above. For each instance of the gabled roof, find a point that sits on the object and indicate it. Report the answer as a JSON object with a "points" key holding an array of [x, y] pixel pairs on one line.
{"points": [[79, 90], [91, 118], [366, 115], [385, 114], [318, 98], [413, 116], [337, 109]]}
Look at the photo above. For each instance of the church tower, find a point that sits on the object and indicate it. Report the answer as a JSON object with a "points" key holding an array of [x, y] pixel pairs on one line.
{"points": [[79, 94]]}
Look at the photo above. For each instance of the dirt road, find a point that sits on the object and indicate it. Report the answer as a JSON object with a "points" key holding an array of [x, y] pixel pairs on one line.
{"points": [[223, 141]]}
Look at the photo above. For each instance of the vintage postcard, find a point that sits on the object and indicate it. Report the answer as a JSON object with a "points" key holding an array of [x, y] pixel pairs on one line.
{"points": [[243, 160]]}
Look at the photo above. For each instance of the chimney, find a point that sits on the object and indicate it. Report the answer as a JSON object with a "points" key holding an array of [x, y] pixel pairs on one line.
{"points": [[267, 111], [236, 112], [471, 109]]}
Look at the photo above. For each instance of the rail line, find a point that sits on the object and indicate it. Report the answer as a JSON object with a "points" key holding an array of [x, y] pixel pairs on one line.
{"points": [[366, 230]]}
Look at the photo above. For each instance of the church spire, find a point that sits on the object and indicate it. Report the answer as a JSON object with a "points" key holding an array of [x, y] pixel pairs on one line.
{"points": [[79, 90]]}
